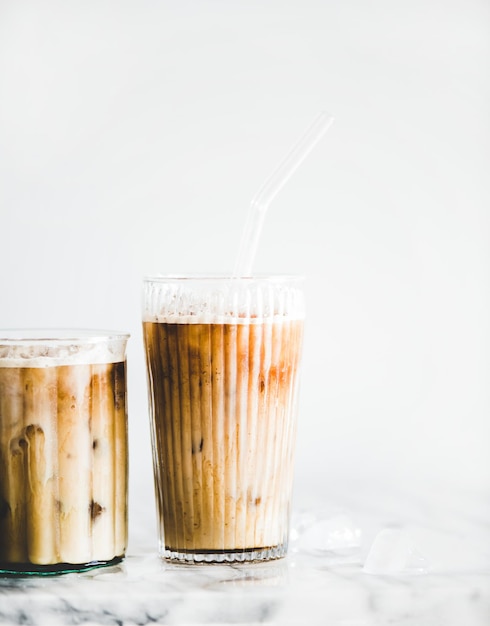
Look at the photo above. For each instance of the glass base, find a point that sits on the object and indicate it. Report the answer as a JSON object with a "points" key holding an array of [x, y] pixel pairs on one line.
{"points": [[31, 569], [246, 555]]}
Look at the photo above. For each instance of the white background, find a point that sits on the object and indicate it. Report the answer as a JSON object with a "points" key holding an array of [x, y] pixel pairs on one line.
{"points": [[134, 134]]}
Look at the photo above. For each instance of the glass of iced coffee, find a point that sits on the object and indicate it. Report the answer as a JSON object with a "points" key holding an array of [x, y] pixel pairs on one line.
{"points": [[63, 450], [223, 361]]}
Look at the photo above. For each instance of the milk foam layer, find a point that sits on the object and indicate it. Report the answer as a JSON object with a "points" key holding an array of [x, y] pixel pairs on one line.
{"points": [[54, 348], [218, 301]]}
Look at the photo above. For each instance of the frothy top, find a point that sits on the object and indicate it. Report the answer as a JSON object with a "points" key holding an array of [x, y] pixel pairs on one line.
{"points": [[209, 318], [50, 348], [217, 300]]}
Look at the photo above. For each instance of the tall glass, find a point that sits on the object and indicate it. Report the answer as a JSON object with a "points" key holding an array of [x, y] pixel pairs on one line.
{"points": [[223, 361], [63, 450]]}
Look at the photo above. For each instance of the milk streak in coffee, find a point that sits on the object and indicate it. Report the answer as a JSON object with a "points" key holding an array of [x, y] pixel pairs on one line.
{"points": [[63, 460]]}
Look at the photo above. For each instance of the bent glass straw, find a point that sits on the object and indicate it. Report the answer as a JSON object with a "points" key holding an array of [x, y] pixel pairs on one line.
{"points": [[271, 187]]}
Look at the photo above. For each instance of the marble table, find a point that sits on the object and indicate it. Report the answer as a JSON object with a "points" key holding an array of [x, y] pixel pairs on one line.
{"points": [[358, 557]]}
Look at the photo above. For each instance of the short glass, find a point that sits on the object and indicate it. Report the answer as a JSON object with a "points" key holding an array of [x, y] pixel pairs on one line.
{"points": [[223, 362], [63, 450]]}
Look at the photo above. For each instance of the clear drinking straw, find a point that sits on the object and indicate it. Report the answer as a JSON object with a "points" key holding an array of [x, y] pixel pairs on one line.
{"points": [[271, 187]]}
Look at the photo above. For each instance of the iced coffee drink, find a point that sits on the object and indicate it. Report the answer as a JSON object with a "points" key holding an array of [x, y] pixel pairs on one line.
{"points": [[223, 359], [63, 450]]}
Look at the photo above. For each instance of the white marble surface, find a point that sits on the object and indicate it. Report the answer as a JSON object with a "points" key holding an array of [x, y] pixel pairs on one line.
{"points": [[446, 580]]}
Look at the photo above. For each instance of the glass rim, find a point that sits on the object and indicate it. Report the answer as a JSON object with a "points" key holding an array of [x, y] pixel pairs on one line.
{"points": [[59, 335], [210, 277]]}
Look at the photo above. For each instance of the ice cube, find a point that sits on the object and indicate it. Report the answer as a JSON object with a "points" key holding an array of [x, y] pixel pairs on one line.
{"points": [[320, 532], [394, 552]]}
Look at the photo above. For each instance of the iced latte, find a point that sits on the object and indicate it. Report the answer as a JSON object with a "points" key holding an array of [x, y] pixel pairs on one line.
{"points": [[63, 450], [223, 360]]}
